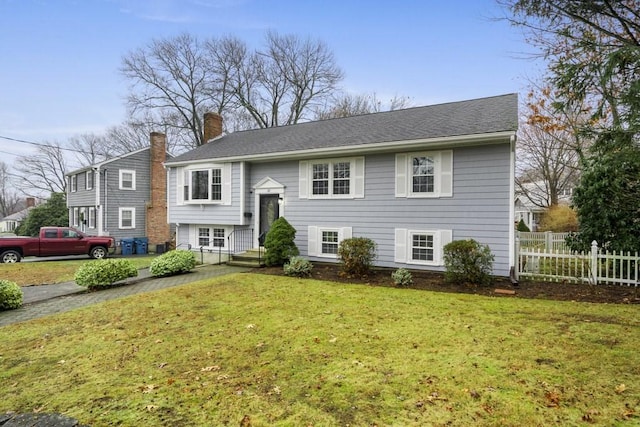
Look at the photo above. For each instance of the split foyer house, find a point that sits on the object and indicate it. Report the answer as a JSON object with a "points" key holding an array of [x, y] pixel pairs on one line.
{"points": [[412, 180], [124, 196]]}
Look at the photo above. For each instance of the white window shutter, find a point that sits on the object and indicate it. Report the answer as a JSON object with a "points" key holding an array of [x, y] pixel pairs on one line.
{"points": [[401, 175], [446, 173], [344, 233], [303, 180], [312, 240], [401, 245], [179, 186], [358, 192], [226, 184], [445, 237]]}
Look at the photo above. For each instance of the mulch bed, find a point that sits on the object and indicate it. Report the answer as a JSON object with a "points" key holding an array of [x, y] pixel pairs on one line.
{"points": [[501, 287]]}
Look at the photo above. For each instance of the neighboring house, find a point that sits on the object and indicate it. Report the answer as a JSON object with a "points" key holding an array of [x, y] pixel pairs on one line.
{"points": [[411, 180], [531, 206], [9, 223], [122, 197]]}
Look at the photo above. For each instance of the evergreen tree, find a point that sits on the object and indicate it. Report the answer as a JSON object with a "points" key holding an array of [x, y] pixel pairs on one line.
{"points": [[53, 213], [607, 199]]}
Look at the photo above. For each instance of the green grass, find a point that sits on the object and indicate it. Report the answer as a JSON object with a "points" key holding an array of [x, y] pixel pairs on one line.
{"points": [[286, 351], [49, 272]]}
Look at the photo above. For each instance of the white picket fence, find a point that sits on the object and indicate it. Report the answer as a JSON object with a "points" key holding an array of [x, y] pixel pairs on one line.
{"points": [[543, 240], [594, 267]]}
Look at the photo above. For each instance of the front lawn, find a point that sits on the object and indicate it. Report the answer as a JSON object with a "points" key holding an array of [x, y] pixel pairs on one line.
{"points": [[45, 272], [283, 351]]}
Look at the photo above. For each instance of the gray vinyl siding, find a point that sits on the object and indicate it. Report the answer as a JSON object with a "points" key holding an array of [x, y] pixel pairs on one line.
{"points": [[195, 213], [82, 196], [479, 208], [113, 198]]}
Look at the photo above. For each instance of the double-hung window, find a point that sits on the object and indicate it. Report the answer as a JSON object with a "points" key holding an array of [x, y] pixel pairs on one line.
{"points": [[92, 217], [329, 242], [324, 241], [424, 174], [127, 218], [90, 179], [73, 183], [332, 178], [420, 246], [127, 179]]}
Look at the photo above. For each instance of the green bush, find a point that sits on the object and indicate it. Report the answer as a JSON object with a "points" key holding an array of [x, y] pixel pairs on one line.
{"points": [[10, 295], [402, 277], [467, 261], [279, 243], [357, 255], [173, 262], [104, 272], [522, 226], [298, 267]]}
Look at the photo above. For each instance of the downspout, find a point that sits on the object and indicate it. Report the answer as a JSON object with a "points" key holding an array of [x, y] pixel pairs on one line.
{"points": [[513, 274], [96, 174]]}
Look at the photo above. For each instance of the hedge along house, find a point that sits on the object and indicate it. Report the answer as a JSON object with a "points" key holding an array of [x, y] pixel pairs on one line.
{"points": [[124, 196], [411, 180]]}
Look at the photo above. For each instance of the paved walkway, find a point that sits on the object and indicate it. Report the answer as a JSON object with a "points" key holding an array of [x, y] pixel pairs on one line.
{"points": [[40, 301]]}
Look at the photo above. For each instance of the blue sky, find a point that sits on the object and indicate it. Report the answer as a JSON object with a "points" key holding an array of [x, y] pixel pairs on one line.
{"points": [[60, 58]]}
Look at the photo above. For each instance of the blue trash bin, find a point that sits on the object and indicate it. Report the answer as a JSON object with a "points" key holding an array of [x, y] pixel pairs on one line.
{"points": [[141, 244], [127, 246]]}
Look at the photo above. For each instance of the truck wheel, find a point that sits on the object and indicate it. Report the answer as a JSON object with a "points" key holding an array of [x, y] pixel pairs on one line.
{"points": [[98, 252], [10, 257]]}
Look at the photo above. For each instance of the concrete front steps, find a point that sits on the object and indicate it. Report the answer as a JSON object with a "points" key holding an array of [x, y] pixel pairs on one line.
{"points": [[251, 258]]}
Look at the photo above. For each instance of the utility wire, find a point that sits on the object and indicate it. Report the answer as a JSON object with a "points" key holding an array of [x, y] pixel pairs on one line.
{"points": [[40, 144]]}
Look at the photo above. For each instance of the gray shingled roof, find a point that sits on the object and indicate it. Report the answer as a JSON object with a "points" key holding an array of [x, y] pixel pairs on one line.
{"points": [[473, 117]]}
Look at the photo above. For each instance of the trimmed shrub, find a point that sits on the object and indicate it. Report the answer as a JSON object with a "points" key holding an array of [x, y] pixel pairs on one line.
{"points": [[467, 261], [298, 267], [357, 255], [173, 262], [279, 243], [104, 272], [10, 295], [402, 277]]}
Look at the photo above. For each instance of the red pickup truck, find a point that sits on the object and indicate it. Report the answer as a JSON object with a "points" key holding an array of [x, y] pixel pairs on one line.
{"points": [[55, 241]]}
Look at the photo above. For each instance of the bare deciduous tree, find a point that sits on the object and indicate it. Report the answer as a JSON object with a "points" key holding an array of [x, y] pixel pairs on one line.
{"points": [[43, 172], [173, 81], [9, 198], [89, 148], [549, 149], [346, 105]]}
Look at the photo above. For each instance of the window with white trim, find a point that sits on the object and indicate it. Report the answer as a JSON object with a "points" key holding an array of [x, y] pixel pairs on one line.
{"points": [[92, 217], [211, 237], [324, 241], [422, 247], [329, 244], [332, 178], [126, 218], [90, 175], [73, 183], [127, 179], [424, 174], [74, 216], [211, 184]]}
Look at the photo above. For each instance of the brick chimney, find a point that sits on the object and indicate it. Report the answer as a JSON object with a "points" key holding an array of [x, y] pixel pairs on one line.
{"points": [[212, 126], [31, 202], [157, 226]]}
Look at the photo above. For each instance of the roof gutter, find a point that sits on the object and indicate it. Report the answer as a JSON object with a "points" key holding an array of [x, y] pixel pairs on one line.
{"points": [[391, 146]]}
